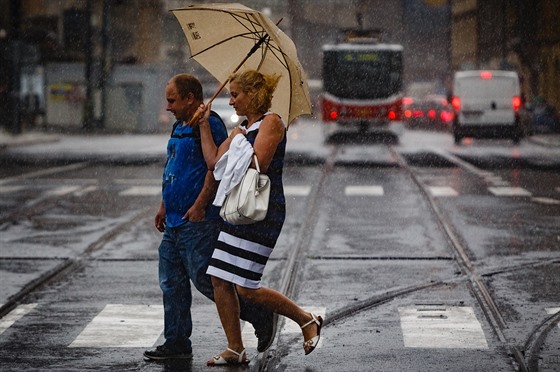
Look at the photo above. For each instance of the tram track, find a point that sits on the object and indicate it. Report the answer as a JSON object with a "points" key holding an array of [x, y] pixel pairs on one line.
{"points": [[523, 359], [527, 358]]}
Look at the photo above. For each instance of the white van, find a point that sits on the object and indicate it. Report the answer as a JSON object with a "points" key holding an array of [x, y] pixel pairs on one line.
{"points": [[487, 104]]}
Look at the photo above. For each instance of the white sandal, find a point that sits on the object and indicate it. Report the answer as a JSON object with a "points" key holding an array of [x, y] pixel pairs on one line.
{"points": [[311, 344], [219, 360]]}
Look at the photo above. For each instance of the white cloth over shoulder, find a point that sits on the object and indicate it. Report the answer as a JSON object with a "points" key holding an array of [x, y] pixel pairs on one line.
{"points": [[231, 167]]}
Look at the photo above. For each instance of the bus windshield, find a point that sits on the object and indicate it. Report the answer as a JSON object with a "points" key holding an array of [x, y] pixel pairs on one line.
{"points": [[362, 74]]}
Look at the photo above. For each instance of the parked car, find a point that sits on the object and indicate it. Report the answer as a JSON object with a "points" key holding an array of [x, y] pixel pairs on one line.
{"points": [[221, 106], [429, 112], [488, 105], [545, 118]]}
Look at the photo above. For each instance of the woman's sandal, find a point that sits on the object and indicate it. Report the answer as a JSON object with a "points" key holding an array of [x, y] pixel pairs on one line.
{"points": [[311, 344], [219, 360]]}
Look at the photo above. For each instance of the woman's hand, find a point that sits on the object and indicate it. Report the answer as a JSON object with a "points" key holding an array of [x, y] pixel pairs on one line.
{"points": [[201, 115], [237, 130]]}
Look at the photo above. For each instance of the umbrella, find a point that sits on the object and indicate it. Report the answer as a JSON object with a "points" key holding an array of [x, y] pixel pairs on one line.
{"points": [[225, 38]]}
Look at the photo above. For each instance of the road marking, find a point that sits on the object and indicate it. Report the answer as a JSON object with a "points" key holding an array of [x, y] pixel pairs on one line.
{"points": [[120, 325], [9, 189], [441, 327], [138, 181], [142, 191], [86, 190], [14, 315], [442, 191], [496, 180], [543, 200], [363, 191], [62, 190], [297, 190], [509, 191]]}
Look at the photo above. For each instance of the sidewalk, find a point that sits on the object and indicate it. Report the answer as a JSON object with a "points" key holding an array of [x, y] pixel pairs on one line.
{"points": [[304, 141]]}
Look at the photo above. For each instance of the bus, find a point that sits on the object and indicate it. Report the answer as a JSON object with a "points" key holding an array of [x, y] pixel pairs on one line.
{"points": [[362, 85]]}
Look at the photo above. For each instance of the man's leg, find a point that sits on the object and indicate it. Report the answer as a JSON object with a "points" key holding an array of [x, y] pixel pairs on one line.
{"points": [[263, 321], [177, 299]]}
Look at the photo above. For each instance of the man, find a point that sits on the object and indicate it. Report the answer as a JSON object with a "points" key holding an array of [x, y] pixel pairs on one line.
{"points": [[190, 226]]}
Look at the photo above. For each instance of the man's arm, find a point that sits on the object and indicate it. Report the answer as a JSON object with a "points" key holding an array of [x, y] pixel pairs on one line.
{"points": [[197, 212]]}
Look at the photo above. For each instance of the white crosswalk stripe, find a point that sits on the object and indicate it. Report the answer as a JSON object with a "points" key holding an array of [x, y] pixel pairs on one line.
{"points": [[552, 311], [120, 325], [509, 191], [296, 190], [141, 191], [364, 190], [62, 190], [441, 327], [442, 191], [14, 315]]}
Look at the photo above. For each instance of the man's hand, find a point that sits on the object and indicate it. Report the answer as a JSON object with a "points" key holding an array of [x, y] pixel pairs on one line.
{"points": [[195, 214], [159, 221]]}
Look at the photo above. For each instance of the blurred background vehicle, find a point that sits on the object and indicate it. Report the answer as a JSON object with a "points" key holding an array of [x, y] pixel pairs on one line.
{"points": [[488, 104], [362, 82], [432, 112], [221, 106], [545, 118]]}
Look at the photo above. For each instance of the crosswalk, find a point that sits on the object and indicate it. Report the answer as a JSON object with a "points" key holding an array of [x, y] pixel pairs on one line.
{"points": [[430, 326], [147, 188]]}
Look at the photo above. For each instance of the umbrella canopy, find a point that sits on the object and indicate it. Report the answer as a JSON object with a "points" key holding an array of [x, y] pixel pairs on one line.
{"points": [[225, 38]]}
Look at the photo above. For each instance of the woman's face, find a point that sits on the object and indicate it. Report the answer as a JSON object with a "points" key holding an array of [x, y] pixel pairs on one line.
{"points": [[238, 99]]}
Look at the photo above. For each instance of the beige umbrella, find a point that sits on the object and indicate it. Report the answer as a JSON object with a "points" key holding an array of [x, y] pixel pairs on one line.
{"points": [[225, 38]]}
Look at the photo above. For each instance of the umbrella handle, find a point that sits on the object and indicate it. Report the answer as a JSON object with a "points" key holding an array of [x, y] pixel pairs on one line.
{"points": [[196, 116]]}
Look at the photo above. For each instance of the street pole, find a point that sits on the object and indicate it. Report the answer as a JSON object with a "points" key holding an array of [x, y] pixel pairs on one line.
{"points": [[13, 49], [88, 113], [105, 60]]}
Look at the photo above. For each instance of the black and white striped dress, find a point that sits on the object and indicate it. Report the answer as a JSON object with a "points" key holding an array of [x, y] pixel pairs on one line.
{"points": [[242, 251]]}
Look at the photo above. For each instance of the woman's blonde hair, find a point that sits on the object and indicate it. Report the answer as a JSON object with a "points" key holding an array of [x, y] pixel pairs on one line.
{"points": [[262, 86]]}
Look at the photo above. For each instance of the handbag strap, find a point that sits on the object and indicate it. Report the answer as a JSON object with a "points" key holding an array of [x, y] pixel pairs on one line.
{"points": [[257, 163]]}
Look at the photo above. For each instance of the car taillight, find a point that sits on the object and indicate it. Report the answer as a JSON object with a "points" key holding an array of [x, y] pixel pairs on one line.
{"points": [[432, 114], [407, 113], [516, 102], [392, 115], [456, 103], [407, 101], [486, 75], [446, 116], [333, 115]]}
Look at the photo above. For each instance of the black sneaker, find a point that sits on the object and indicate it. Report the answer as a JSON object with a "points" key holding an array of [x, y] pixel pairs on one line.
{"points": [[265, 331], [162, 353]]}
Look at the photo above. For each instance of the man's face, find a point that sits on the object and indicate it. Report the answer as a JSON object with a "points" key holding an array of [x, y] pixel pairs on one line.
{"points": [[181, 108]]}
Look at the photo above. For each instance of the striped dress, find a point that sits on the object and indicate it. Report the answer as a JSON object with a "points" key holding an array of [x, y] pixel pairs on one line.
{"points": [[242, 251]]}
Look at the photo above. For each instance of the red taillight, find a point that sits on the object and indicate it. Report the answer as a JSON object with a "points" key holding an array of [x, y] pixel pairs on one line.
{"points": [[333, 115], [417, 114], [456, 103], [486, 75], [392, 115], [407, 101], [446, 116], [516, 102], [407, 113], [432, 114]]}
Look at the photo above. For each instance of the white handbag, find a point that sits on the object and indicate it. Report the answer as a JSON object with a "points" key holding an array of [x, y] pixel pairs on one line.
{"points": [[247, 202]]}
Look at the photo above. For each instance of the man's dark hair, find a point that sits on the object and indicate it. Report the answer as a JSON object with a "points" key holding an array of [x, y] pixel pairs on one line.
{"points": [[187, 83]]}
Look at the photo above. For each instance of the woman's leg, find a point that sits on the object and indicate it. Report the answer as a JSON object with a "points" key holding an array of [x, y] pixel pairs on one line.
{"points": [[274, 301], [227, 304]]}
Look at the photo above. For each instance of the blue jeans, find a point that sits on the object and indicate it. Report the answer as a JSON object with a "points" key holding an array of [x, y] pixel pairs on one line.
{"points": [[184, 254]]}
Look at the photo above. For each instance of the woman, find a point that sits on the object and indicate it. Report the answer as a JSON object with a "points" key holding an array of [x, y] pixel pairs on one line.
{"points": [[241, 252]]}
